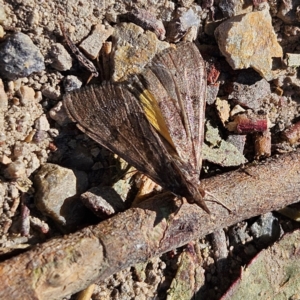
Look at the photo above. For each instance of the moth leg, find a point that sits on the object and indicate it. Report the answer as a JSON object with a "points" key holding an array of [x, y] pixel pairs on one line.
{"points": [[216, 200], [174, 214]]}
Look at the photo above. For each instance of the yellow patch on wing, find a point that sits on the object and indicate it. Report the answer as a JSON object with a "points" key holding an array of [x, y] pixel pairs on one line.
{"points": [[154, 115]]}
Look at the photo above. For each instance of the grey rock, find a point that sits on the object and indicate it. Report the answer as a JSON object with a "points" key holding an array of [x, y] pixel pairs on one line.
{"points": [[57, 193], [61, 59], [249, 90], [19, 57], [211, 93], [238, 233], [185, 21], [232, 8], [51, 92], [266, 229], [71, 83]]}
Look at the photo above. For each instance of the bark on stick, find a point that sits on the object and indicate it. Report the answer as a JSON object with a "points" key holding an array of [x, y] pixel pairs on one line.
{"points": [[63, 266]]}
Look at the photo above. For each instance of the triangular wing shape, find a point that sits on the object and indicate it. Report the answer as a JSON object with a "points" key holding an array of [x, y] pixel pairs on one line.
{"points": [[113, 115], [181, 77]]}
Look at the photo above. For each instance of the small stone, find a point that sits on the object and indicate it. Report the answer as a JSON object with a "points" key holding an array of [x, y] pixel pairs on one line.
{"points": [[249, 41], [263, 144], [250, 90], [134, 48], [51, 92], [223, 109], [3, 98], [181, 25], [61, 59], [3, 15], [2, 32], [238, 233], [59, 114], [237, 141], [212, 92], [15, 170], [231, 8], [226, 155], [148, 21], [57, 189], [27, 95], [5, 160], [93, 43], [220, 152], [19, 57], [266, 228], [103, 201], [71, 83], [42, 123], [293, 59]]}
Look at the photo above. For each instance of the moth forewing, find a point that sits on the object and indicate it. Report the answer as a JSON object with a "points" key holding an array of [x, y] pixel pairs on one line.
{"points": [[156, 124]]}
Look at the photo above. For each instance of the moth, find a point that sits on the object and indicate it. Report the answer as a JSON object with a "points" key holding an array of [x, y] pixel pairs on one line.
{"points": [[155, 122]]}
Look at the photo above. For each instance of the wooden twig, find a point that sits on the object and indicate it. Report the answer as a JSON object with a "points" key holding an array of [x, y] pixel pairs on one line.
{"points": [[63, 266]]}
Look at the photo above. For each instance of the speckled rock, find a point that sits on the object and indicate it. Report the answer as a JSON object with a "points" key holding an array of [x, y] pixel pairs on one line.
{"points": [[61, 59], [71, 83], [134, 48], [93, 43], [250, 90], [56, 193], [231, 8], [183, 24], [266, 228], [249, 41], [19, 57]]}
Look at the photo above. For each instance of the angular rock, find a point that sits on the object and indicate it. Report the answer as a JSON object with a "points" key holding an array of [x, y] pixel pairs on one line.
{"points": [[61, 59], [71, 83], [182, 24], [293, 59], [266, 228], [249, 90], [57, 189], [19, 57], [105, 201], [27, 95], [133, 49], [93, 43], [145, 19], [231, 8], [249, 41], [212, 92]]}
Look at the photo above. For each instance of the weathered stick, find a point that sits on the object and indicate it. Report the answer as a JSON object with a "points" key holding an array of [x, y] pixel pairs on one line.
{"points": [[66, 265]]}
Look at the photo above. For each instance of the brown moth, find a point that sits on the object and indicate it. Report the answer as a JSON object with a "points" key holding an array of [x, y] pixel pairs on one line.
{"points": [[156, 123]]}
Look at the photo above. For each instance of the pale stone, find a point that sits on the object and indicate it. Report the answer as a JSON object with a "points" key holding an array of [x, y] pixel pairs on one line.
{"points": [[42, 123], [3, 97], [134, 48], [57, 189], [27, 95], [293, 59], [93, 43], [5, 160], [249, 41]]}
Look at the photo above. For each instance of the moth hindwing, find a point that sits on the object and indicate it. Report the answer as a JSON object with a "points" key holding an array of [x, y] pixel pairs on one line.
{"points": [[156, 124]]}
